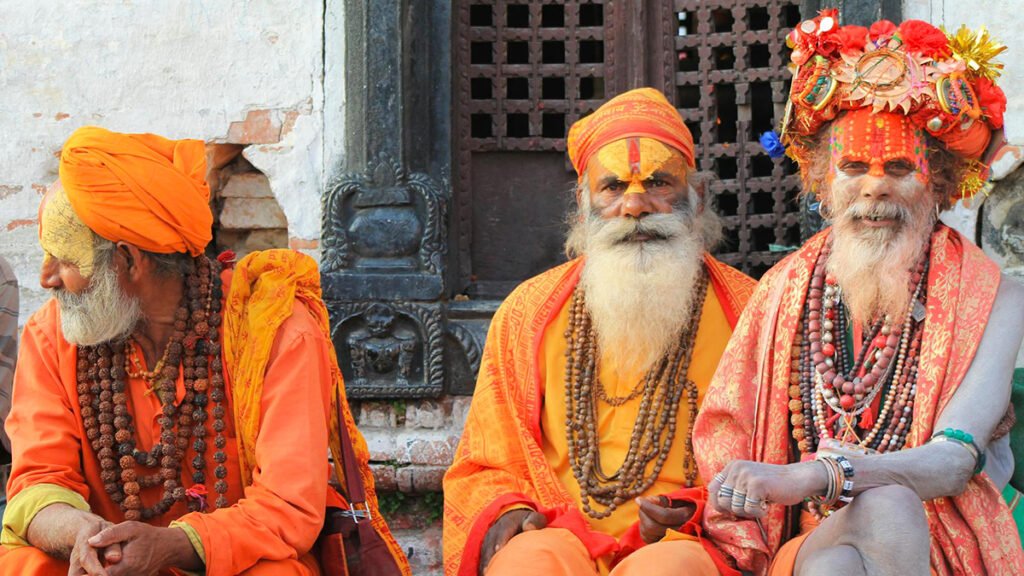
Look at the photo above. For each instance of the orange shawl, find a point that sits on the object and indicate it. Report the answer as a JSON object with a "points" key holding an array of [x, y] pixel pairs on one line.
{"points": [[746, 415], [263, 290], [499, 461]]}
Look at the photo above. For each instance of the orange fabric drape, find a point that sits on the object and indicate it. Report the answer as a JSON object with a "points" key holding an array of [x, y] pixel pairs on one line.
{"points": [[139, 188], [264, 288], [492, 471], [746, 416]]}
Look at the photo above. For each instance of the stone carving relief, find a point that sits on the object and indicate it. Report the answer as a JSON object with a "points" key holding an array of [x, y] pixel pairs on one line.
{"points": [[385, 220], [390, 349]]}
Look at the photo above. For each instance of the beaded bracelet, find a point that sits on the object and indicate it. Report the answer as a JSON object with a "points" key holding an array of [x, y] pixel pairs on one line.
{"points": [[846, 494], [963, 439]]}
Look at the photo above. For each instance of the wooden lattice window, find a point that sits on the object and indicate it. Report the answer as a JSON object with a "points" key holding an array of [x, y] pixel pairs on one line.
{"points": [[534, 68], [525, 70], [731, 84]]}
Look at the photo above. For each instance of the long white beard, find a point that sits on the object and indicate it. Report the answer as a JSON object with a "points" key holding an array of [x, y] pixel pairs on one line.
{"points": [[639, 294], [102, 313], [873, 267]]}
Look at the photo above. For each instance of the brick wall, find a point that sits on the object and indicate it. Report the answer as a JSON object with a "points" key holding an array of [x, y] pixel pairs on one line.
{"points": [[411, 445]]}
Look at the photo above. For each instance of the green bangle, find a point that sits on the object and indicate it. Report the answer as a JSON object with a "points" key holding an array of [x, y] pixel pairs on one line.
{"points": [[967, 441]]}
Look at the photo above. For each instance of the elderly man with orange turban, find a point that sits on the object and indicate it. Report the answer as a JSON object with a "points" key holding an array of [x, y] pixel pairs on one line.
{"points": [[168, 414], [576, 456], [853, 426]]}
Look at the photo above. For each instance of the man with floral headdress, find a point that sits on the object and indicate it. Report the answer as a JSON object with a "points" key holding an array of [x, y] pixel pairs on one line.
{"points": [[847, 427], [167, 415], [576, 458]]}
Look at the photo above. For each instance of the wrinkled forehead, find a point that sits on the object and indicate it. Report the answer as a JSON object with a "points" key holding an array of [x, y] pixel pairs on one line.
{"points": [[862, 136], [635, 157]]}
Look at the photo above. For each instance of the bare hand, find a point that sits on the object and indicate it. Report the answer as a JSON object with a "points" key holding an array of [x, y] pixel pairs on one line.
{"points": [[86, 559], [750, 486], [504, 528], [658, 514], [146, 549]]}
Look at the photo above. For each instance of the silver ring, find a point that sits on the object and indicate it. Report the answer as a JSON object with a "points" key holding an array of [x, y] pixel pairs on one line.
{"points": [[720, 478], [738, 498], [725, 492]]}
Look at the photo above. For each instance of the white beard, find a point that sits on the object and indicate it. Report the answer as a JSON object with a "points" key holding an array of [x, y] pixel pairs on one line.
{"points": [[102, 313], [873, 267], [640, 295]]}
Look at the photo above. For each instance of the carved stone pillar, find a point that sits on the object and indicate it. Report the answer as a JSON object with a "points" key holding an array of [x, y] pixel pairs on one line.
{"points": [[385, 219]]}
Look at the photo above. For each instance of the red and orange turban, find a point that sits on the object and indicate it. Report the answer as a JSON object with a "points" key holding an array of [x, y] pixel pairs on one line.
{"points": [[640, 113], [942, 83], [139, 188]]}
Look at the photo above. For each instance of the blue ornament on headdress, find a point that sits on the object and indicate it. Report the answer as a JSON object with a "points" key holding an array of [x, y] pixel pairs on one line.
{"points": [[772, 145]]}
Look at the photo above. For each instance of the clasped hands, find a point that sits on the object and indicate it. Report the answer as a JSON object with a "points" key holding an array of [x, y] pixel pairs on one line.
{"points": [[657, 515], [130, 548]]}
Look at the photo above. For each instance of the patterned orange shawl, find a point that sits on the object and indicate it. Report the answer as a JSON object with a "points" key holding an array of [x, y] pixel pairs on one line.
{"points": [[499, 461], [746, 416], [263, 290]]}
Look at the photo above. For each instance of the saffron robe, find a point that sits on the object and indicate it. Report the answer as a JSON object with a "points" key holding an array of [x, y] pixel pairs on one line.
{"points": [[493, 472], [746, 411], [277, 505]]}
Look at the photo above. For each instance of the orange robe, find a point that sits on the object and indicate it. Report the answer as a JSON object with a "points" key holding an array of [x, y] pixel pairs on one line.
{"points": [[522, 465], [275, 515], [746, 415]]}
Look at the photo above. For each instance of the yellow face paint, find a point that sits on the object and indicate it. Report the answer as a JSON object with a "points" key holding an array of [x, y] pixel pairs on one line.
{"points": [[63, 235], [633, 161]]}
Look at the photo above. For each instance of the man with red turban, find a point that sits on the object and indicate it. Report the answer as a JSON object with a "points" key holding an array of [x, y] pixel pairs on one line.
{"points": [[576, 457], [853, 426], [168, 415]]}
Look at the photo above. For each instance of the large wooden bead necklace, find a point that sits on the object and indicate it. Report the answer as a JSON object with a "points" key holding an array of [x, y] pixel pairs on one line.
{"points": [[103, 371], [655, 427], [867, 400]]}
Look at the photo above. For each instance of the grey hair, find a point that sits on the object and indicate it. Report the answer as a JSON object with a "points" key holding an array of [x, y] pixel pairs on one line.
{"points": [[174, 265]]}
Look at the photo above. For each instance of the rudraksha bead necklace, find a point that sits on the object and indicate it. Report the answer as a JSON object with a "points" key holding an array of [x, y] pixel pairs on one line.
{"points": [[103, 397], [655, 427]]}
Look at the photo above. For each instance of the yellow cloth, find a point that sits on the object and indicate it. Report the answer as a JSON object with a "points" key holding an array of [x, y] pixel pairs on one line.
{"points": [[23, 507], [558, 552], [615, 425], [193, 537]]}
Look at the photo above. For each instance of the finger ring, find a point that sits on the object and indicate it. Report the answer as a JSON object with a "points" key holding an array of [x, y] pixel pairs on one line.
{"points": [[720, 478], [753, 501], [725, 492], [738, 498]]}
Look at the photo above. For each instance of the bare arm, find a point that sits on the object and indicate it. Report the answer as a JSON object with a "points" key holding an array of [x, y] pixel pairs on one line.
{"points": [[944, 468], [55, 528]]}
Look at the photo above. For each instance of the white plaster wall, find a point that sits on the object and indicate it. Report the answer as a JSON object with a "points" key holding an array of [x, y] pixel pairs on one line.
{"points": [[185, 68]]}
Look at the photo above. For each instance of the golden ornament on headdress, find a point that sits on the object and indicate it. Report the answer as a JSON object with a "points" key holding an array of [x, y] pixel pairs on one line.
{"points": [[977, 50]]}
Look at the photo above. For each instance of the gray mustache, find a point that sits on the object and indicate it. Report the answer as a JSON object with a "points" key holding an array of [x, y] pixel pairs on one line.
{"points": [[886, 211]]}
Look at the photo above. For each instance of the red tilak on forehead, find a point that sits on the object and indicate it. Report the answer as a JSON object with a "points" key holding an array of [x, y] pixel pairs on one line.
{"points": [[634, 155]]}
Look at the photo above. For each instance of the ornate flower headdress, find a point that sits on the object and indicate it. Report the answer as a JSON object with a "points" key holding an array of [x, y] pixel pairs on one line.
{"points": [[945, 84]]}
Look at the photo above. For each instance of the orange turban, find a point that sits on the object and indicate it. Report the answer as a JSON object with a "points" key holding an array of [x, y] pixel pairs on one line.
{"points": [[640, 113], [139, 188]]}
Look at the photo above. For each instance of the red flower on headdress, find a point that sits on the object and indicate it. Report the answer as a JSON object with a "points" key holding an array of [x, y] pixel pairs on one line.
{"points": [[882, 29], [992, 101], [920, 37], [852, 39], [809, 38]]}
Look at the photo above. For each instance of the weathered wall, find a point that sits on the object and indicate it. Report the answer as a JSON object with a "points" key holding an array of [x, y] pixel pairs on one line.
{"points": [[232, 71]]}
